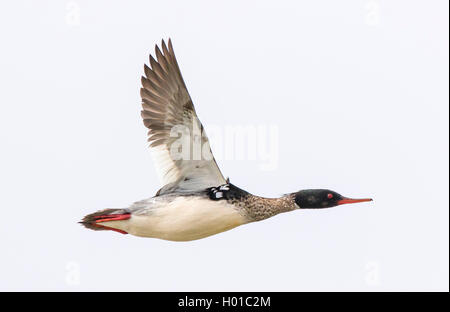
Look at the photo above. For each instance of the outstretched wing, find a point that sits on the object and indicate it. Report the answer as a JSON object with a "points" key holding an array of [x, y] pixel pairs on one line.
{"points": [[179, 145]]}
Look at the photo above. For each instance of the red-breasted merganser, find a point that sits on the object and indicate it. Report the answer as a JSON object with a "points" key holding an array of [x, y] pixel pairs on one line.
{"points": [[195, 200]]}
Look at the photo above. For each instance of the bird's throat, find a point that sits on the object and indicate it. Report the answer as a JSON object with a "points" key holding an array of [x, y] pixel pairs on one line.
{"points": [[260, 208]]}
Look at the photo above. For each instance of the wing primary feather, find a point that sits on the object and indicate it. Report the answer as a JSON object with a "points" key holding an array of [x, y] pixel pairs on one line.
{"points": [[165, 104]]}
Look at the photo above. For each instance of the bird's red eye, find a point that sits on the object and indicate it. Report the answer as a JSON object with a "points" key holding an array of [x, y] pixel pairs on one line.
{"points": [[330, 196]]}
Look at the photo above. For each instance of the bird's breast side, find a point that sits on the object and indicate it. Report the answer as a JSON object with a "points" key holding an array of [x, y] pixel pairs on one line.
{"points": [[187, 218]]}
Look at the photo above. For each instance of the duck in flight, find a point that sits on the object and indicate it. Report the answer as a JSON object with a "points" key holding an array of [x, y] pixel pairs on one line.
{"points": [[195, 200]]}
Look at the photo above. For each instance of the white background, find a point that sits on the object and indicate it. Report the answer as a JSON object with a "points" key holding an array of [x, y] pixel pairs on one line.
{"points": [[358, 90]]}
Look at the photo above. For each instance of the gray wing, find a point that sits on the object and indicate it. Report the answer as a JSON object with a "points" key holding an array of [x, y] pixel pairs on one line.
{"points": [[179, 145]]}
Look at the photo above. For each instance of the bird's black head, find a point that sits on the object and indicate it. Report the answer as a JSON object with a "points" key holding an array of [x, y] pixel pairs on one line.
{"points": [[319, 198]]}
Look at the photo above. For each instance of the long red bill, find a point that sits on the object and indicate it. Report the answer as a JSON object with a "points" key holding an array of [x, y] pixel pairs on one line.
{"points": [[353, 201]]}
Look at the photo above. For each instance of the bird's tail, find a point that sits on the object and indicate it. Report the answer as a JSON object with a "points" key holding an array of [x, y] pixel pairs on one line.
{"points": [[93, 221]]}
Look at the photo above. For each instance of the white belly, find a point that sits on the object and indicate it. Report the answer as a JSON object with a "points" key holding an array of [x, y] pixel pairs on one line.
{"points": [[183, 219]]}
